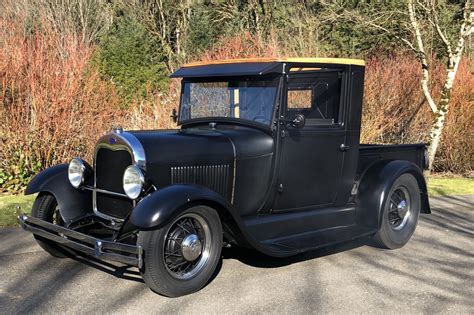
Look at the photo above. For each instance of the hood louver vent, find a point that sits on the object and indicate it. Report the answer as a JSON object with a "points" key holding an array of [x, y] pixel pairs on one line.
{"points": [[214, 177]]}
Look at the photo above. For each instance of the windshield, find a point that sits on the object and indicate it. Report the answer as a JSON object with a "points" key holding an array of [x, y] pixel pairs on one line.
{"points": [[248, 99]]}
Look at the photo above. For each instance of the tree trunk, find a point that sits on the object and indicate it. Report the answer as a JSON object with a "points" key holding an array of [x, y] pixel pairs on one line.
{"points": [[439, 117]]}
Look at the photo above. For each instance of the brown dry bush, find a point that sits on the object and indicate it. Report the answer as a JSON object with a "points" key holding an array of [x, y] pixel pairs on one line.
{"points": [[53, 103], [456, 153], [48, 98], [243, 46], [395, 110]]}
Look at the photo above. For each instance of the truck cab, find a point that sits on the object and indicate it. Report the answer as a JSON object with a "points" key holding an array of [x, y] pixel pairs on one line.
{"points": [[267, 156]]}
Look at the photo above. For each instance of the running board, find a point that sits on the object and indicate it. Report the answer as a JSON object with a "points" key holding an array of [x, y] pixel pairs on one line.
{"points": [[312, 240]]}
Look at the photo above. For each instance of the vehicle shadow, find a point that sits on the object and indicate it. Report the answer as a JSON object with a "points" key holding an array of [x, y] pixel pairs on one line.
{"points": [[119, 271], [254, 258], [246, 256]]}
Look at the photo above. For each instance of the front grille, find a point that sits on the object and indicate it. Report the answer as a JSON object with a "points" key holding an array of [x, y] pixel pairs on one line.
{"points": [[214, 177], [109, 168]]}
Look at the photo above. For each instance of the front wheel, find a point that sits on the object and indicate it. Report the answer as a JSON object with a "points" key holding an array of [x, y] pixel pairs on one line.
{"points": [[401, 212], [182, 256]]}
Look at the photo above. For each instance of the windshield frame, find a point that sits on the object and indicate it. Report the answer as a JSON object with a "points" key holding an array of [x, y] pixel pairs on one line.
{"points": [[242, 121]]}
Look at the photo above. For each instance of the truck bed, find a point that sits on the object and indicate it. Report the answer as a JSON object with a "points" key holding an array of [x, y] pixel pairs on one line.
{"points": [[370, 153]]}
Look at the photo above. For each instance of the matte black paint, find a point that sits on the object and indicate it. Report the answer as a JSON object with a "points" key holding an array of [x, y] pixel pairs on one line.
{"points": [[219, 70], [288, 189], [72, 203], [161, 206], [243, 148], [375, 185]]}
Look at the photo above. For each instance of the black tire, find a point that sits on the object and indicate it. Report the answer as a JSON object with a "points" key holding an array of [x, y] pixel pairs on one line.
{"points": [[398, 222], [159, 270], [45, 208]]}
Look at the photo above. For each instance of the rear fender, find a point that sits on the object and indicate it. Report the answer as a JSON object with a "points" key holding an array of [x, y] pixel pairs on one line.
{"points": [[375, 185], [73, 203], [158, 208]]}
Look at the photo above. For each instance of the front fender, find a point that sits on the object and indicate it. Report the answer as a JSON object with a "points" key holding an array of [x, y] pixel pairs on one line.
{"points": [[159, 207], [73, 203], [375, 185]]}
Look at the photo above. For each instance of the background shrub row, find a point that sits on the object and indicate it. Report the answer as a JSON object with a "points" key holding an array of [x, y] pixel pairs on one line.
{"points": [[64, 82]]}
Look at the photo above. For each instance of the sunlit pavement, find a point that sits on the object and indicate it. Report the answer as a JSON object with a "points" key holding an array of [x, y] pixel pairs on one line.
{"points": [[433, 273]]}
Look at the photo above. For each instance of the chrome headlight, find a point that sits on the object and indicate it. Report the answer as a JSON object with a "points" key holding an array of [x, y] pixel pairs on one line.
{"points": [[77, 172], [133, 180]]}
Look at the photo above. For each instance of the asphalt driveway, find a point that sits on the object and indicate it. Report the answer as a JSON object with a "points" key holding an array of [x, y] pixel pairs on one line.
{"points": [[434, 272]]}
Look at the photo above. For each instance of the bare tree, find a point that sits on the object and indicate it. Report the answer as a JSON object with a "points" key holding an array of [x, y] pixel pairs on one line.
{"points": [[85, 18], [453, 51], [168, 20], [416, 21]]}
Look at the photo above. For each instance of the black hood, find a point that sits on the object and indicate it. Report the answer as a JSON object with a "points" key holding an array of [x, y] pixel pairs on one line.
{"points": [[203, 145], [227, 159]]}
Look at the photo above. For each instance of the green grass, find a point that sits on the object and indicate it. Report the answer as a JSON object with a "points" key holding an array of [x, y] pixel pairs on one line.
{"points": [[437, 186], [8, 205], [440, 186]]}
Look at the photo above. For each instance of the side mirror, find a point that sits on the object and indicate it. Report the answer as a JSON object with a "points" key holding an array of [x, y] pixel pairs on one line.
{"points": [[174, 115], [299, 121]]}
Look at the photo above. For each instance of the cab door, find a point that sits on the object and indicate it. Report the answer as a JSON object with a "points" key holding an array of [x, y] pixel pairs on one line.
{"points": [[312, 157]]}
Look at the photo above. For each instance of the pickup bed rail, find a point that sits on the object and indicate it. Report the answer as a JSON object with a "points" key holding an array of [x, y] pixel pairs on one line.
{"points": [[371, 153]]}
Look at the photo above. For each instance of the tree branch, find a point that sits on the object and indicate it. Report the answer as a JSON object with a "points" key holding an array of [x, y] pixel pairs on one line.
{"points": [[356, 18], [422, 55], [443, 37], [467, 26]]}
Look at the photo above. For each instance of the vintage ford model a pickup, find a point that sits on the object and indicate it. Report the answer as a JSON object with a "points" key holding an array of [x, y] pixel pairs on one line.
{"points": [[267, 156]]}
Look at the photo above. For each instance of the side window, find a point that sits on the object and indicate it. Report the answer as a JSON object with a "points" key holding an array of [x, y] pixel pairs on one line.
{"points": [[315, 95]]}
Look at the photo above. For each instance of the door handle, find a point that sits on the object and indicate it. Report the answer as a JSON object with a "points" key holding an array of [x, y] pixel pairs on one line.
{"points": [[343, 147]]}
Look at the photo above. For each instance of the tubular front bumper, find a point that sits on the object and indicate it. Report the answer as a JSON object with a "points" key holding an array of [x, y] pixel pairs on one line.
{"points": [[101, 249]]}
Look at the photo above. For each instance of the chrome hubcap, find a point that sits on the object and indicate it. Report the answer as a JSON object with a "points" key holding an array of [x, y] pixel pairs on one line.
{"points": [[402, 208], [399, 211], [191, 247]]}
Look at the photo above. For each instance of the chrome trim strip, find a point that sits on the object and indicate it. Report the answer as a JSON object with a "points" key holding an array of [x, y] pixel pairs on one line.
{"points": [[122, 141], [108, 192], [100, 214]]}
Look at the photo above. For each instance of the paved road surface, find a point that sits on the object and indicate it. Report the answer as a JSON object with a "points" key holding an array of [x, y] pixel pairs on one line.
{"points": [[433, 273]]}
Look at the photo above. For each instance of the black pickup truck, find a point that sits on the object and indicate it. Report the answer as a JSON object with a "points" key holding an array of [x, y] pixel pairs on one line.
{"points": [[267, 156]]}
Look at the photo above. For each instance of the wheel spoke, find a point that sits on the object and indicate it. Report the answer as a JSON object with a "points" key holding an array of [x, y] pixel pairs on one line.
{"points": [[179, 265], [192, 225], [174, 266], [183, 228], [174, 254], [398, 204]]}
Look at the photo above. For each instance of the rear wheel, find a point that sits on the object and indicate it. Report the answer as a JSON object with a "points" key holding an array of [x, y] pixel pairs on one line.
{"points": [[401, 213], [181, 257], [46, 208]]}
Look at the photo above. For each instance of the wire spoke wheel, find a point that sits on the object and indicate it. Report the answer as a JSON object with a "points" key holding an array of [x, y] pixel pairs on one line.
{"points": [[399, 208], [187, 246], [182, 256]]}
